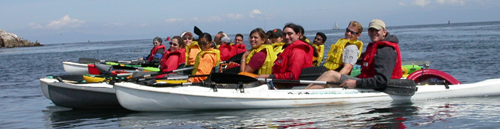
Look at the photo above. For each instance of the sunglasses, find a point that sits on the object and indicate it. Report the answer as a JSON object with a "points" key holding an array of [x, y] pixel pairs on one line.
{"points": [[238, 40], [187, 38], [348, 30], [173, 44]]}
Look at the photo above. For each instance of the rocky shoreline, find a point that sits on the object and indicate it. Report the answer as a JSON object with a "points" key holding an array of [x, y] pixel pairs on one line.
{"points": [[10, 40]]}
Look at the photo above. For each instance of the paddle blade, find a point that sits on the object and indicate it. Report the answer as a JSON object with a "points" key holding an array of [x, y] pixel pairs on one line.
{"points": [[197, 31], [236, 58], [402, 83], [77, 78], [104, 69], [399, 91], [87, 60], [231, 78], [403, 87], [312, 73]]}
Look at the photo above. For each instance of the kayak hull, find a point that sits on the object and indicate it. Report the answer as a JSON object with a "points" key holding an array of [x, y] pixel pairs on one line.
{"points": [[80, 96], [180, 98]]}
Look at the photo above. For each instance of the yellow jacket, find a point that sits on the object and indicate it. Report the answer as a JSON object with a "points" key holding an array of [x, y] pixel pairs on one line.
{"points": [[321, 53], [267, 67], [278, 47], [334, 59], [205, 62], [191, 51]]}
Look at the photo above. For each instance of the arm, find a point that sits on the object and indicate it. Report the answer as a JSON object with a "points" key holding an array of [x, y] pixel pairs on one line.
{"points": [[349, 57], [243, 63], [346, 69], [385, 60]]}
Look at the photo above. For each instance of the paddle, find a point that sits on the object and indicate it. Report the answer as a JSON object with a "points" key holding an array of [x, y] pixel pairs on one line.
{"points": [[92, 60], [152, 81], [394, 86], [136, 75]]}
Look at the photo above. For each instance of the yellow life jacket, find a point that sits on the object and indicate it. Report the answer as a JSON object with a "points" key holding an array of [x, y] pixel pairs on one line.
{"points": [[321, 53], [217, 46], [334, 59], [307, 40], [267, 67], [200, 55], [278, 47], [193, 45]]}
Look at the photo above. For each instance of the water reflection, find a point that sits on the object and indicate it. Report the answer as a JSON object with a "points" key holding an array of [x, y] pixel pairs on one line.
{"points": [[374, 115], [59, 117]]}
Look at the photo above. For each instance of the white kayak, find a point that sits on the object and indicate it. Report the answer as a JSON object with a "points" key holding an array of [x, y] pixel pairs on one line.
{"points": [[146, 98], [75, 68]]}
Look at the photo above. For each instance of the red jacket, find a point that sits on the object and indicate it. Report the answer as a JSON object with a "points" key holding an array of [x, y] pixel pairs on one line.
{"points": [[368, 67], [154, 50], [294, 58], [226, 51], [240, 48], [171, 60]]}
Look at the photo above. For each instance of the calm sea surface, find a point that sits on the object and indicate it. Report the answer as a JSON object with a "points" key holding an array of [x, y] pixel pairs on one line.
{"points": [[467, 51]]}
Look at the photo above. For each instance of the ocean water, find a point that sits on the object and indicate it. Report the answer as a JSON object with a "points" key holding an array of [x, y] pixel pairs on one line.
{"points": [[467, 51]]}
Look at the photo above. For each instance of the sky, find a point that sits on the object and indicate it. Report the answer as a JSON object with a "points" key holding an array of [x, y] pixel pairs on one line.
{"points": [[68, 21]]}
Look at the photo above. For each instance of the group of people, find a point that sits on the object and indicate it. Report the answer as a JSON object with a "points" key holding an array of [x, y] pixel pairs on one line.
{"points": [[283, 53]]}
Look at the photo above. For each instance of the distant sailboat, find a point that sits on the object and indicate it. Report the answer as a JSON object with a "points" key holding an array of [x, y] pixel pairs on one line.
{"points": [[448, 21], [336, 27]]}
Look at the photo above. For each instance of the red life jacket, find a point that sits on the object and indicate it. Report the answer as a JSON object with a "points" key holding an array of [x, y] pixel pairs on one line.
{"points": [[164, 63], [368, 66], [164, 60], [226, 51], [240, 48], [154, 50], [288, 67]]}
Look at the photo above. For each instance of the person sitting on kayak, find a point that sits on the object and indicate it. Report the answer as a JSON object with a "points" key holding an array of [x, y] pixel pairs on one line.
{"points": [[174, 56], [238, 44], [382, 61], [318, 43], [157, 52], [296, 56], [306, 40], [192, 47], [207, 59], [277, 40], [261, 57], [226, 50], [344, 54]]}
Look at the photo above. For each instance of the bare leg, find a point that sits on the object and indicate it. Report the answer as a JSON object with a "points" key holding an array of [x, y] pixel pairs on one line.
{"points": [[329, 76]]}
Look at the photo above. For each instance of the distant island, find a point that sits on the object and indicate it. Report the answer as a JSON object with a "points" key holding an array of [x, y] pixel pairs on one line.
{"points": [[10, 40]]}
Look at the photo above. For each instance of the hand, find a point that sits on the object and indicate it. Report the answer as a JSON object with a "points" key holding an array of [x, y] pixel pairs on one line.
{"points": [[350, 84]]}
